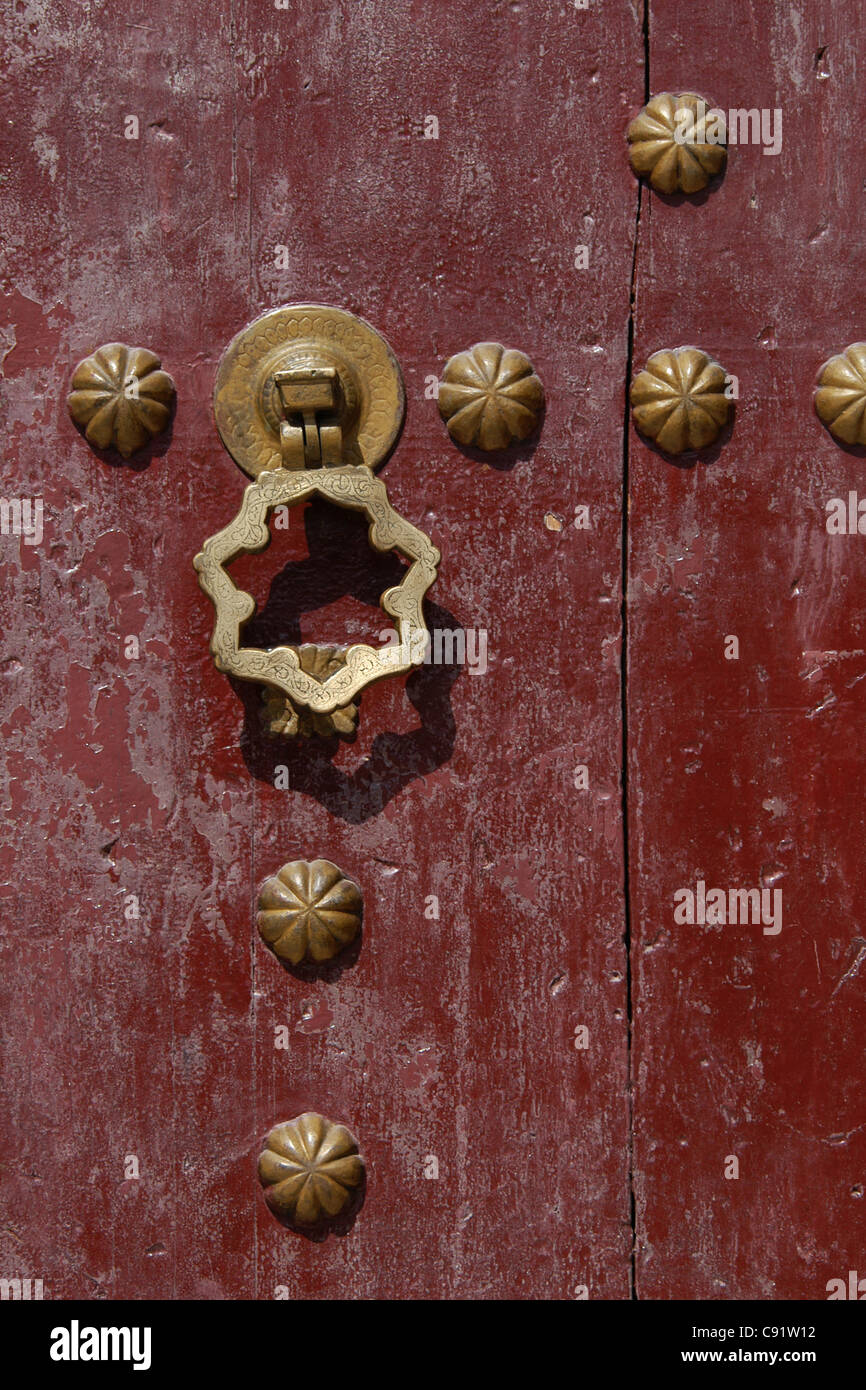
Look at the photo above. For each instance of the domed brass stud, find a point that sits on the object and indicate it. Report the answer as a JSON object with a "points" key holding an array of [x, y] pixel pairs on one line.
{"points": [[121, 397], [678, 142], [490, 396], [310, 1170], [309, 911], [680, 399], [840, 395]]}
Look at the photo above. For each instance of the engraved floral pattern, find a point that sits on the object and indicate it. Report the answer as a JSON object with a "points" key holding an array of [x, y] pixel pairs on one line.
{"points": [[121, 397], [309, 1170], [679, 399], [490, 396], [678, 165], [309, 911], [840, 399], [282, 336]]}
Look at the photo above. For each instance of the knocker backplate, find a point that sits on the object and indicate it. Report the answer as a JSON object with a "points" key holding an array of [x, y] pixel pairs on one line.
{"points": [[297, 335], [280, 668]]}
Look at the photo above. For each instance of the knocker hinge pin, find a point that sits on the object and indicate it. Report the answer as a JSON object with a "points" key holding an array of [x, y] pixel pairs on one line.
{"points": [[306, 440]]}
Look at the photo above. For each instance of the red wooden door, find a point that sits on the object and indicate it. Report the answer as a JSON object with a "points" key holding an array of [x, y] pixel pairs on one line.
{"points": [[281, 156], [546, 1073]]}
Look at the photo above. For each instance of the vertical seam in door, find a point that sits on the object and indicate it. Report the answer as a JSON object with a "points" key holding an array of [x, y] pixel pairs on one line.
{"points": [[624, 751]]}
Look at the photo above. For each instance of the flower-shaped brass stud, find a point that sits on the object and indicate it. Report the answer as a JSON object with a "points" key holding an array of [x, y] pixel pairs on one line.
{"points": [[490, 396], [678, 142], [309, 1169], [121, 397], [680, 401], [840, 397], [309, 911]]}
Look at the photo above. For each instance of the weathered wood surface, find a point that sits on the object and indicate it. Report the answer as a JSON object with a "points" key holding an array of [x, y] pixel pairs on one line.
{"points": [[262, 128], [453, 1038], [749, 772]]}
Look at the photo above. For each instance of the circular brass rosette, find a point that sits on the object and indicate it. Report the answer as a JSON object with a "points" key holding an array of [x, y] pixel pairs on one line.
{"points": [[121, 398], [246, 402], [281, 668], [309, 912], [490, 396], [678, 142], [311, 1171], [680, 400], [840, 396]]}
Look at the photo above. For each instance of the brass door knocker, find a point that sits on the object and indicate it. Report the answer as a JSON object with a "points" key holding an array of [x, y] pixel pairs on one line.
{"points": [[308, 401]]}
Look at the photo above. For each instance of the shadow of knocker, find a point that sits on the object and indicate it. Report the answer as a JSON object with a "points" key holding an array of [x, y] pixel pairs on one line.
{"points": [[395, 759], [341, 563]]}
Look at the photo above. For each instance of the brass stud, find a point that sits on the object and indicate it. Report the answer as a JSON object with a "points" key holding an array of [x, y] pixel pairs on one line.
{"points": [[840, 396], [309, 911], [678, 142], [121, 397], [679, 400], [310, 1170], [490, 396]]}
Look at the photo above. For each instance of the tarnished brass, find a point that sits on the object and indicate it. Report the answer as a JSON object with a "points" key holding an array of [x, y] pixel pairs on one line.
{"points": [[678, 142], [280, 667], [490, 396], [309, 398], [257, 390], [309, 911], [680, 399], [310, 1169], [303, 425], [282, 719], [840, 396], [121, 397]]}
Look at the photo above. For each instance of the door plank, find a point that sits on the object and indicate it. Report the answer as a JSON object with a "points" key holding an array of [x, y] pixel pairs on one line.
{"points": [[455, 1038], [452, 1038], [745, 773]]}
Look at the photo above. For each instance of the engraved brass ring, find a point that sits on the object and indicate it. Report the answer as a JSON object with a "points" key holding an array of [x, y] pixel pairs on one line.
{"points": [[335, 402], [248, 532]]}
